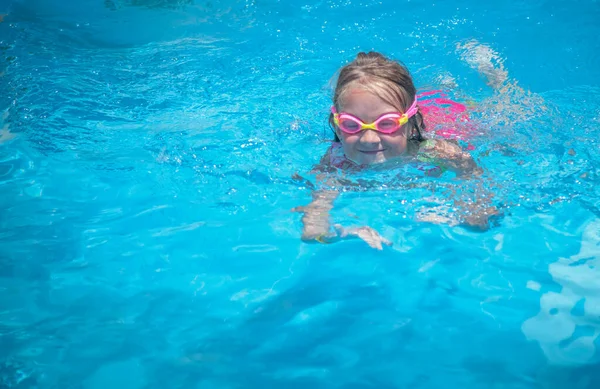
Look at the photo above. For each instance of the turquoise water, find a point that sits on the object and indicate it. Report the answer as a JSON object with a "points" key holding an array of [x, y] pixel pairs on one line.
{"points": [[146, 238]]}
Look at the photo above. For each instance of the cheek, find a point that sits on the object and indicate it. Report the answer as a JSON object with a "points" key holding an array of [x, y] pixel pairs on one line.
{"points": [[347, 139], [396, 144]]}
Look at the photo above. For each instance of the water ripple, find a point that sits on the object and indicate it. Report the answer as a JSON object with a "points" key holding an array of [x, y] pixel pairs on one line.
{"points": [[145, 222]]}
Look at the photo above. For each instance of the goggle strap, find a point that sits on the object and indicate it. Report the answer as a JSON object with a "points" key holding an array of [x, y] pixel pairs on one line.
{"points": [[412, 110]]}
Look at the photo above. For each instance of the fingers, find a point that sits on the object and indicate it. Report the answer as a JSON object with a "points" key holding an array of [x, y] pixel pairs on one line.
{"points": [[372, 238], [366, 234], [376, 245], [341, 231]]}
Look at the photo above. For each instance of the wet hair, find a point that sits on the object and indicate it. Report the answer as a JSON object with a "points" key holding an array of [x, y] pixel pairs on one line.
{"points": [[387, 79]]}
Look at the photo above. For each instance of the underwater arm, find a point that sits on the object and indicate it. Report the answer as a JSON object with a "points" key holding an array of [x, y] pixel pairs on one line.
{"points": [[475, 212], [315, 218], [316, 215], [315, 221], [450, 156], [317, 227]]}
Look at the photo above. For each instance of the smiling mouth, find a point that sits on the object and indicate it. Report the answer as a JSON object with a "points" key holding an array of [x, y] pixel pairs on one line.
{"points": [[371, 151]]}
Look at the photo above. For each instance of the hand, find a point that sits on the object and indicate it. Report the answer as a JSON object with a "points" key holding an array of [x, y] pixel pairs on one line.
{"points": [[367, 234]]}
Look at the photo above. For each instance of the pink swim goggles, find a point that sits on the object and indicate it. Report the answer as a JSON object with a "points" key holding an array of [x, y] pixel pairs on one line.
{"points": [[387, 123]]}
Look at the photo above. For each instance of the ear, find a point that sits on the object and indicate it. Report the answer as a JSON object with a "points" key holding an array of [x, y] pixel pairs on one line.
{"points": [[413, 125], [339, 134], [419, 120]]}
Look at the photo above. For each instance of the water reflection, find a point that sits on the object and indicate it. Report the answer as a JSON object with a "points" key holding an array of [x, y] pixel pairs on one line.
{"points": [[115, 4], [568, 323]]}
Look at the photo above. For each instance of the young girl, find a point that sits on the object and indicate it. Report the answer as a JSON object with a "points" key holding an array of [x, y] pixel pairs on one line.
{"points": [[377, 120]]}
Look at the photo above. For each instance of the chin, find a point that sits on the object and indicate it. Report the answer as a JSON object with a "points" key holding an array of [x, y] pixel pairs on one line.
{"points": [[371, 159], [375, 160]]}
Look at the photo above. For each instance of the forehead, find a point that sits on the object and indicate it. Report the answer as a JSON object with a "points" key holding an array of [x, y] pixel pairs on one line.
{"points": [[364, 104]]}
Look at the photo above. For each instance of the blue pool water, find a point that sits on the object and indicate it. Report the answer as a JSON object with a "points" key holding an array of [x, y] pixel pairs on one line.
{"points": [[146, 163]]}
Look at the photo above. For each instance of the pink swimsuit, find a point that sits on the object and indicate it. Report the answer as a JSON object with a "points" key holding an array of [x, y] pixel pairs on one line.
{"points": [[447, 118]]}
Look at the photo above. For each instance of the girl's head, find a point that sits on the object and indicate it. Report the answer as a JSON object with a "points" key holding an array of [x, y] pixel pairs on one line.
{"points": [[367, 88]]}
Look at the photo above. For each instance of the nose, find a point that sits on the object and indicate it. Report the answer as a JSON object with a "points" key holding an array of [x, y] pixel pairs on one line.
{"points": [[370, 137]]}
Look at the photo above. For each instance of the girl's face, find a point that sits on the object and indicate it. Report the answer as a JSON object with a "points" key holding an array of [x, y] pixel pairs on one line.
{"points": [[369, 146]]}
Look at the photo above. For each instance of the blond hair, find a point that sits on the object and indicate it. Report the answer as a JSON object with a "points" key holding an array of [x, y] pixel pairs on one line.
{"points": [[387, 79]]}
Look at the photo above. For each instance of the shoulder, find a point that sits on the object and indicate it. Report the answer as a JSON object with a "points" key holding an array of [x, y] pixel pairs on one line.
{"points": [[449, 154], [442, 148], [333, 157]]}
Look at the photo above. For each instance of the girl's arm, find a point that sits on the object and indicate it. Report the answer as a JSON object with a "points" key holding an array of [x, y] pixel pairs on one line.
{"points": [[316, 226], [450, 156], [315, 218], [316, 215], [475, 212]]}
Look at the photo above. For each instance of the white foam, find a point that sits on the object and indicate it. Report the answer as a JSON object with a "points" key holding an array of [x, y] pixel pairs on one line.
{"points": [[555, 326]]}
